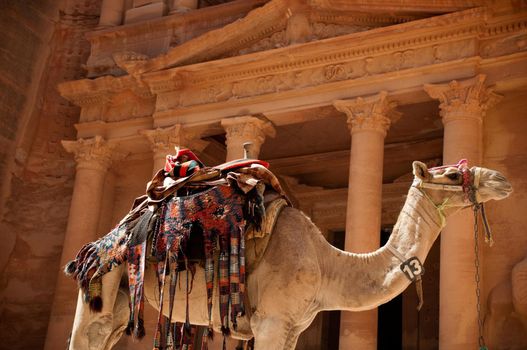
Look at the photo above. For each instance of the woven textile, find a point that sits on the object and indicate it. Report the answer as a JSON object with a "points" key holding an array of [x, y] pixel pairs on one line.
{"points": [[97, 258], [218, 213]]}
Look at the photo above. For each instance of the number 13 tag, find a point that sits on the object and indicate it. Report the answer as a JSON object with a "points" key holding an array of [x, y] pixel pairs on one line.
{"points": [[412, 268]]}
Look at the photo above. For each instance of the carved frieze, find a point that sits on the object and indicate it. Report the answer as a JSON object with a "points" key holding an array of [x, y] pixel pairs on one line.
{"points": [[323, 30], [469, 98], [320, 31], [128, 105]]}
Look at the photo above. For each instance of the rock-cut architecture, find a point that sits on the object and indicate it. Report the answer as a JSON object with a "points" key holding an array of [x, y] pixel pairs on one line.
{"points": [[340, 96]]}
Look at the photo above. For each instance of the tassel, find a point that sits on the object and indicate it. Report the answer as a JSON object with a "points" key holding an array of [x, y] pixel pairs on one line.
{"points": [[129, 327], [96, 304], [488, 233], [139, 331], [225, 331], [419, 289], [70, 268]]}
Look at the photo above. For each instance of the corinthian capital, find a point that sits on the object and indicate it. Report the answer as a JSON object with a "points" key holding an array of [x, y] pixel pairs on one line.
{"points": [[163, 140], [372, 113], [246, 129], [465, 99], [95, 153]]}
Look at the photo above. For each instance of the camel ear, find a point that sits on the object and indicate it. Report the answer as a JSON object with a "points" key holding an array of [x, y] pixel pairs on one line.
{"points": [[421, 171]]}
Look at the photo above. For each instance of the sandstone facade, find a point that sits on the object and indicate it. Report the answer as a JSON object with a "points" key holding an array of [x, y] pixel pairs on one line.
{"points": [[339, 96]]}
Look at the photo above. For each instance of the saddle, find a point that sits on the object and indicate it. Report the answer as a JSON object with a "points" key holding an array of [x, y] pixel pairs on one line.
{"points": [[213, 208]]}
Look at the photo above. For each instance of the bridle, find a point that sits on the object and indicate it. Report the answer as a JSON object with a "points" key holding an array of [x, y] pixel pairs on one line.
{"points": [[469, 186]]}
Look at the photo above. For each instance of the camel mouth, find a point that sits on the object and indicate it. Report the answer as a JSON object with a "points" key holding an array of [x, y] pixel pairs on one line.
{"points": [[497, 186]]}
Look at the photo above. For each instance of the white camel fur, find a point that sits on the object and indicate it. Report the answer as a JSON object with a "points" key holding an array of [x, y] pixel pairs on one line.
{"points": [[300, 273]]}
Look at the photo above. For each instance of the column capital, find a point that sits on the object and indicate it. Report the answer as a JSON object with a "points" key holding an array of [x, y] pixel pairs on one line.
{"points": [[249, 127], [465, 99], [371, 113], [95, 153], [163, 140], [246, 129]]}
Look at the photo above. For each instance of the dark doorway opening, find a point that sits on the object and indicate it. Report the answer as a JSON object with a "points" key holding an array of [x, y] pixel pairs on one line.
{"points": [[390, 322], [331, 319]]}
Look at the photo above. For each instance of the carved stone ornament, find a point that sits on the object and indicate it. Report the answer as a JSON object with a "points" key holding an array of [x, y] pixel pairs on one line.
{"points": [[372, 113], [164, 140], [247, 129], [127, 60], [464, 99], [95, 153]]}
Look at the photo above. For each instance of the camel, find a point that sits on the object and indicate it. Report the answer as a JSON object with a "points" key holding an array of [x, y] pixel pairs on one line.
{"points": [[301, 274]]}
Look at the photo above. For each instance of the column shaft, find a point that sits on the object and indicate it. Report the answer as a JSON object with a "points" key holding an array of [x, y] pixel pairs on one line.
{"points": [[111, 13], [463, 105], [369, 120], [82, 227], [457, 312]]}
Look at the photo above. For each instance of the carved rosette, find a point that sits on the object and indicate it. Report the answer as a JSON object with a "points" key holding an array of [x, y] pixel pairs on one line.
{"points": [[94, 154], [240, 130], [164, 140], [372, 113], [466, 99]]}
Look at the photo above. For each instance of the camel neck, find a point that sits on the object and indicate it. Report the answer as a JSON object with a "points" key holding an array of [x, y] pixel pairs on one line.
{"points": [[357, 282]]}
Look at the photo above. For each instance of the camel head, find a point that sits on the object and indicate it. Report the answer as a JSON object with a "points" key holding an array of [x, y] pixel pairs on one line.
{"points": [[457, 186]]}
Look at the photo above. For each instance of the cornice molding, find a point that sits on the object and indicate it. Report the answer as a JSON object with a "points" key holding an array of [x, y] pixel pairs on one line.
{"points": [[420, 6]]}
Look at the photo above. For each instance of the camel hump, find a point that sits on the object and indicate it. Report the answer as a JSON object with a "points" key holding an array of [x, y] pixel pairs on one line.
{"points": [[256, 241]]}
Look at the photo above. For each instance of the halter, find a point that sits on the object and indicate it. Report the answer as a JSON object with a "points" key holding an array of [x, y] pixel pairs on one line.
{"points": [[469, 187]]}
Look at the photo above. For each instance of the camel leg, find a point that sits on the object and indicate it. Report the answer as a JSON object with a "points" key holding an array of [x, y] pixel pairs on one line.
{"points": [[269, 332], [121, 314], [91, 330]]}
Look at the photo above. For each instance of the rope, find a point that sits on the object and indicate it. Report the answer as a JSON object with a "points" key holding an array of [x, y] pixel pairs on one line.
{"points": [[481, 339]]}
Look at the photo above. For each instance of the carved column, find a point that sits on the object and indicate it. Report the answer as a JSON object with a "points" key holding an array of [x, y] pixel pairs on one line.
{"points": [[246, 129], [369, 120], [164, 140], [111, 13], [463, 105], [93, 157]]}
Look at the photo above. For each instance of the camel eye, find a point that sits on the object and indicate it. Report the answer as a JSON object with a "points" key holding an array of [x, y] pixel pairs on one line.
{"points": [[453, 176]]}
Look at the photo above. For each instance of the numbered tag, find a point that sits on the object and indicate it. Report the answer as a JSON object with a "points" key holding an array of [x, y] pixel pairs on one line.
{"points": [[412, 268]]}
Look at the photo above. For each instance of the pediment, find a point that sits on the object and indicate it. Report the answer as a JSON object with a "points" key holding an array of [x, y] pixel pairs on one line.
{"points": [[281, 23]]}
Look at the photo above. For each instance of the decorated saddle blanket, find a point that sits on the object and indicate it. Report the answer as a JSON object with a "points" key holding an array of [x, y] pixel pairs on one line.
{"points": [[219, 216]]}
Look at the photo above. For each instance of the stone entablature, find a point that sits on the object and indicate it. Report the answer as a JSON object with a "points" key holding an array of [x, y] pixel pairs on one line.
{"points": [[397, 5], [407, 55], [109, 99]]}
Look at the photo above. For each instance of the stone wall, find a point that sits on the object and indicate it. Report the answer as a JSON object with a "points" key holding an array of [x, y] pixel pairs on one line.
{"points": [[43, 44], [506, 151]]}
